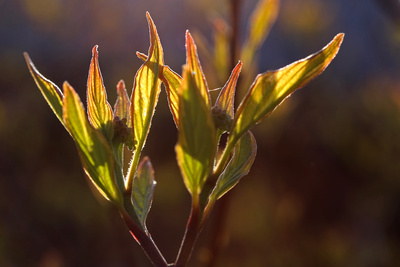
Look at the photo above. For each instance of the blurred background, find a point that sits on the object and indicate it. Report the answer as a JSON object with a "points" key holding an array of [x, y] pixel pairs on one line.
{"points": [[324, 189]]}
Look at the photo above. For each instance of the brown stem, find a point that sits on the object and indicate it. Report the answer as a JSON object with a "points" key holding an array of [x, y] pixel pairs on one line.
{"points": [[145, 241], [192, 232]]}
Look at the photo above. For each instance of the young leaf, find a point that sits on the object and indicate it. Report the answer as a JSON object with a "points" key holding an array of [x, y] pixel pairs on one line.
{"points": [[122, 105], [94, 150], [50, 91], [196, 145], [272, 87], [223, 109], [239, 166], [99, 110], [142, 190], [226, 98], [193, 63], [261, 20], [146, 90]]}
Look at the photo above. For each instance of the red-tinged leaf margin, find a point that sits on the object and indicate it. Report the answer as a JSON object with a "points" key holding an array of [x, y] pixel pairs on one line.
{"points": [[99, 110], [94, 150], [226, 98], [193, 62], [146, 91], [123, 104]]}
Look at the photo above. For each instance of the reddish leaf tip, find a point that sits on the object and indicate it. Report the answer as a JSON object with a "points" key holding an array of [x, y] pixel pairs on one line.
{"points": [[121, 86], [95, 50]]}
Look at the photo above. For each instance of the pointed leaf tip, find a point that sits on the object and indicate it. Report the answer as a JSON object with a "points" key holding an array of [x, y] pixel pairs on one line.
{"points": [[49, 90]]}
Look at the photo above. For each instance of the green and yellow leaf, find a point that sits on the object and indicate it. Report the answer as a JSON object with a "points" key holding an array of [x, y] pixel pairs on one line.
{"points": [[172, 82], [272, 87], [49, 90], [239, 166], [146, 90], [94, 150], [196, 145], [143, 190], [99, 110]]}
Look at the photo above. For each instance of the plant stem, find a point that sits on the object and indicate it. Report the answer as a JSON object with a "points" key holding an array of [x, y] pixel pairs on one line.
{"points": [[145, 241], [192, 231]]}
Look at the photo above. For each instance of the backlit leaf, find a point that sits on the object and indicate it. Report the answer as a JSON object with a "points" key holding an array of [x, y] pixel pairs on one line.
{"points": [[95, 152], [142, 190], [239, 166], [99, 110], [193, 63], [261, 20], [146, 91], [226, 98], [196, 145], [272, 87], [50, 91], [172, 82]]}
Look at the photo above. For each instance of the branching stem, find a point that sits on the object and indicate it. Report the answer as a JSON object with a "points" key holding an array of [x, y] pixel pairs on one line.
{"points": [[145, 241], [192, 231]]}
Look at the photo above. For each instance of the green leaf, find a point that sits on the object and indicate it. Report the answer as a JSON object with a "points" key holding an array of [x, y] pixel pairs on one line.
{"points": [[146, 90], [143, 190], [193, 63], [239, 166], [122, 105], [272, 87], [95, 152], [196, 145], [49, 90], [261, 20], [99, 110]]}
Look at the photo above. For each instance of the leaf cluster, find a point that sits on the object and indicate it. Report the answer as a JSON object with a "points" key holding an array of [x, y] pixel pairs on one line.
{"points": [[102, 133]]}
